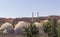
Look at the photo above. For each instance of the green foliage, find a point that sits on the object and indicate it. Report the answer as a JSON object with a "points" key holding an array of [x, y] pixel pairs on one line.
{"points": [[58, 28], [51, 28], [48, 28], [31, 31], [55, 28]]}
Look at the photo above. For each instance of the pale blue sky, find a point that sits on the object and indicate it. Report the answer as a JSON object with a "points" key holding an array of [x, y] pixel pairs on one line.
{"points": [[24, 8]]}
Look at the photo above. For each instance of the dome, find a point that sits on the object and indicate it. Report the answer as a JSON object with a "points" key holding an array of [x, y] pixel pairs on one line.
{"points": [[5, 26], [40, 27], [37, 24], [19, 26]]}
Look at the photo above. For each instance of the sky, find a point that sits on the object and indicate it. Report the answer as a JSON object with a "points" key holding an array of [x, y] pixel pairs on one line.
{"points": [[24, 8]]}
